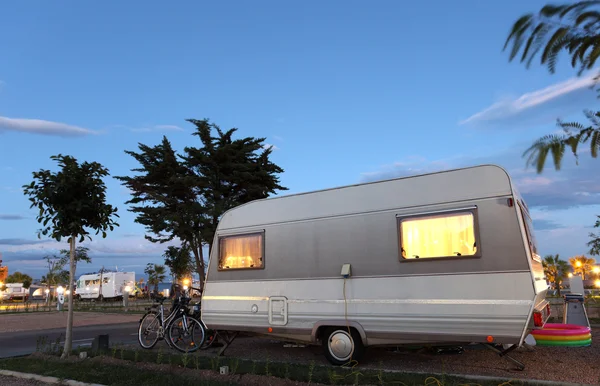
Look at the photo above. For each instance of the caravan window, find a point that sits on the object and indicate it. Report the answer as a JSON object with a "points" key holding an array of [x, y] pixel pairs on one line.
{"points": [[529, 231], [438, 235], [241, 251]]}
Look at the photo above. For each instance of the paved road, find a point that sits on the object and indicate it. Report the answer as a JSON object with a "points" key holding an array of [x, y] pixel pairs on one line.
{"points": [[25, 342]]}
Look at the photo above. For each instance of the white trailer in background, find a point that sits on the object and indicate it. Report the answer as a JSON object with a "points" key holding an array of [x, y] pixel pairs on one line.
{"points": [[437, 259], [113, 285], [14, 291]]}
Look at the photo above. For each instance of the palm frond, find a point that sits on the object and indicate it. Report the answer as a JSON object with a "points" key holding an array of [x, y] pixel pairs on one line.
{"points": [[574, 28], [555, 145]]}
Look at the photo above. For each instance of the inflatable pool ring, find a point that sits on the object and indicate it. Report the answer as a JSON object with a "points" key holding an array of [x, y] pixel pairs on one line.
{"points": [[565, 335]]}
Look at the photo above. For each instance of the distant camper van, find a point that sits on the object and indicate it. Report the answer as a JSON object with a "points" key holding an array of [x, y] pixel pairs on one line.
{"points": [[113, 285], [14, 291], [435, 259]]}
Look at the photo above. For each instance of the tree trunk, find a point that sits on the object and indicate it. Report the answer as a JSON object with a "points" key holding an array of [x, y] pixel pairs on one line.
{"points": [[101, 274], [199, 259], [69, 333]]}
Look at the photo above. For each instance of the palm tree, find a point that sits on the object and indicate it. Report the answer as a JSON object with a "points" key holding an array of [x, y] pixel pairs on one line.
{"points": [[582, 265], [575, 29], [555, 270], [156, 274]]}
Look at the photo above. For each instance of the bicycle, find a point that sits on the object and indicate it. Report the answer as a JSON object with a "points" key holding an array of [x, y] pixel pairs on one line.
{"points": [[178, 320], [210, 335]]}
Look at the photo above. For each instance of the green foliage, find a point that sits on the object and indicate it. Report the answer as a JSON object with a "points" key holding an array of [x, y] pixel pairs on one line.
{"points": [[573, 28], [164, 198], [71, 203], [594, 243], [72, 200], [81, 254], [184, 196], [18, 277], [57, 274], [156, 274], [582, 265], [179, 261], [555, 145], [229, 172], [555, 269]]}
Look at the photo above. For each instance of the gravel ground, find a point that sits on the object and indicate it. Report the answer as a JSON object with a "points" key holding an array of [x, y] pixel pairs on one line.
{"points": [[581, 364], [50, 320], [13, 381]]}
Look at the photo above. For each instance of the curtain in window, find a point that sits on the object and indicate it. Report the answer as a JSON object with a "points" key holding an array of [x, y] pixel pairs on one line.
{"points": [[241, 252], [440, 236]]}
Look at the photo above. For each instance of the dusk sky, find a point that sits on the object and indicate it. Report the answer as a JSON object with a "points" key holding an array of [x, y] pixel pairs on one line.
{"points": [[345, 91]]}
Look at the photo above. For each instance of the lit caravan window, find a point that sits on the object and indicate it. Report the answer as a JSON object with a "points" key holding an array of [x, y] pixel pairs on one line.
{"points": [[241, 251], [438, 236]]}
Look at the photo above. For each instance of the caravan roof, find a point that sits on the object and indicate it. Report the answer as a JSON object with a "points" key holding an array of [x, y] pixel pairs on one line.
{"points": [[455, 185]]}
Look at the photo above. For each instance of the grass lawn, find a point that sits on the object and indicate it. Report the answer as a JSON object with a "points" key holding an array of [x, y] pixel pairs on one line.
{"points": [[133, 367], [108, 372]]}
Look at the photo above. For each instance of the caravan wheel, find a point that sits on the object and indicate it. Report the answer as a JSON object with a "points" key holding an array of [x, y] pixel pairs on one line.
{"points": [[342, 346]]}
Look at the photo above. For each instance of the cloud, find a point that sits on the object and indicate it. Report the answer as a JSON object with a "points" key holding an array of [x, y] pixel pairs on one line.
{"points": [[11, 217], [542, 225], [132, 245], [13, 242], [38, 126], [572, 186], [268, 145], [538, 107]]}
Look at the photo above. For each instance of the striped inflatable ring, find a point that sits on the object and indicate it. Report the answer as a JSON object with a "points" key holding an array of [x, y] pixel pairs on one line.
{"points": [[564, 338], [578, 343], [560, 334]]}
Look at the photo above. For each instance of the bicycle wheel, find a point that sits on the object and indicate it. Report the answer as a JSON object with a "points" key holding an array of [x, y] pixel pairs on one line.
{"points": [[148, 324], [210, 336], [186, 327]]}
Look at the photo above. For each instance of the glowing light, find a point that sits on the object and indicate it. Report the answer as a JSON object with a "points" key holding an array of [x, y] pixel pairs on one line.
{"points": [[60, 290], [186, 282], [127, 289], [570, 274], [185, 287], [578, 263], [47, 291], [595, 270], [597, 283]]}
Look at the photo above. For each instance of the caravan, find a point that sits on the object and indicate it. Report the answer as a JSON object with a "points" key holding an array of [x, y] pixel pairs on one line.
{"points": [[113, 285], [442, 258]]}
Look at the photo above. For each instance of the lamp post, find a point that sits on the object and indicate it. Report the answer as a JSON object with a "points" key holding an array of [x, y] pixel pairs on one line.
{"points": [[47, 291], [60, 301]]}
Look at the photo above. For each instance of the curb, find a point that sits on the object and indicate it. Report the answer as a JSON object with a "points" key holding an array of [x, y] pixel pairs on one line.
{"points": [[46, 379]]}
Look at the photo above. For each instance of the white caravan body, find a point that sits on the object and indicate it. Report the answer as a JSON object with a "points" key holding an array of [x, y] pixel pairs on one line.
{"points": [[441, 258], [113, 285]]}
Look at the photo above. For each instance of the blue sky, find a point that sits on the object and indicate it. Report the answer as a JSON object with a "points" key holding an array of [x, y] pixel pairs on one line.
{"points": [[346, 92]]}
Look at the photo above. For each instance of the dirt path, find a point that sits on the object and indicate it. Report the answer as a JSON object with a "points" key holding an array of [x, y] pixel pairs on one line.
{"points": [[51, 320]]}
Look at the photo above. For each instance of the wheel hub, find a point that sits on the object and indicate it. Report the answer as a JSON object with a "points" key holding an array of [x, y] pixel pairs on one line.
{"points": [[341, 345]]}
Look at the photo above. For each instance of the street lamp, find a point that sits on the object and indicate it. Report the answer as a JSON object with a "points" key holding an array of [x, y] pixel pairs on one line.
{"points": [[578, 263], [570, 274], [61, 298], [127, 291]]}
